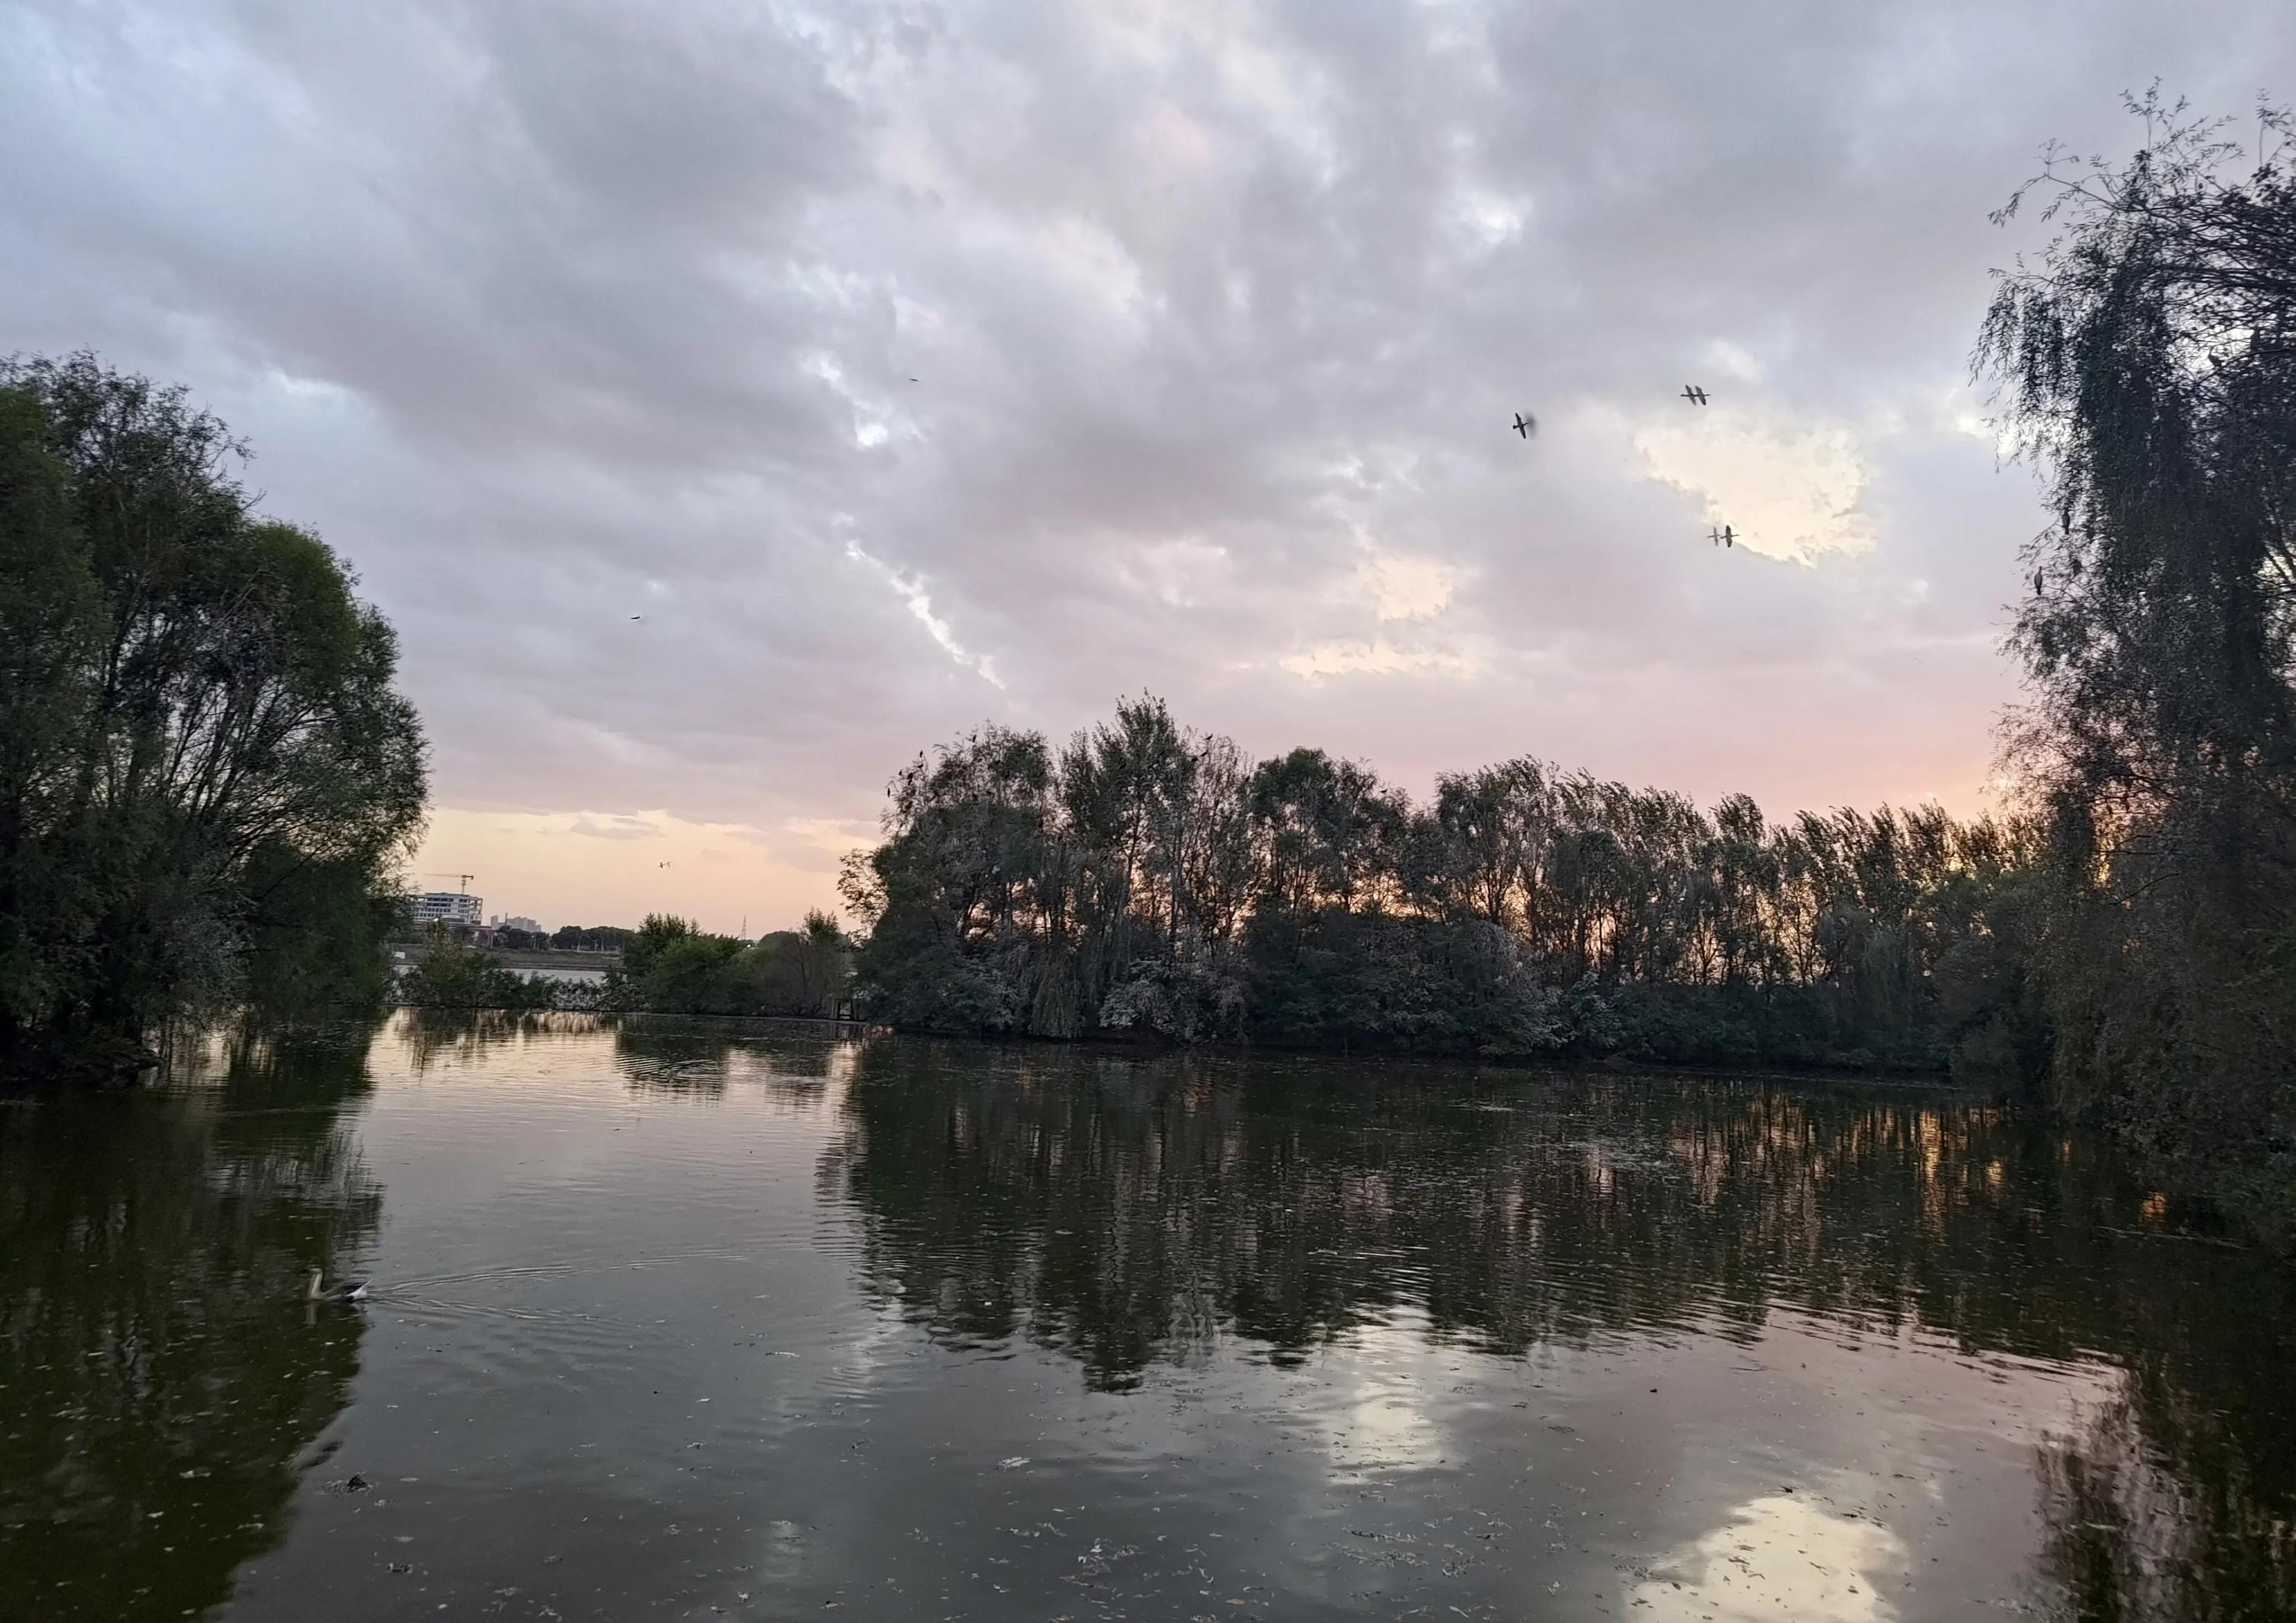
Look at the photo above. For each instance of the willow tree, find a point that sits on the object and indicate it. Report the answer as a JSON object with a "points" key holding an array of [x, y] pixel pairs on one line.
{"points": [[205, 773], [2146, 361]]}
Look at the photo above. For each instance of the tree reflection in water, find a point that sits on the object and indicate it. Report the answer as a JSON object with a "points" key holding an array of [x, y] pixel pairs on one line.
{"points": [[673, 1055], [464, 1037], [1129, 1212], [162, 1373]]}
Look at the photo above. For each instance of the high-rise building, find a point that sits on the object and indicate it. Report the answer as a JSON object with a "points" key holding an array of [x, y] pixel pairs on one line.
{"points": [[516, 921], [447, 908]]}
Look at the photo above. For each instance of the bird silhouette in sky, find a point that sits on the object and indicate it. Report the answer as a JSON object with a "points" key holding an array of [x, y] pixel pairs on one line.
{"points": [[1525, 426], [1693, 394], [1724, 536], [637, 617]]}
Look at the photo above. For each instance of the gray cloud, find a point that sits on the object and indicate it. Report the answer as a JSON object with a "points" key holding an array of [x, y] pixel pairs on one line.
{"points": [[548, 315]]}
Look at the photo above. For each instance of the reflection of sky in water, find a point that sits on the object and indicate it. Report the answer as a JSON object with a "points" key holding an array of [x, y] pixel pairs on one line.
{"points": [[1778, 1557], [675, 1320], [1378, 1423]]}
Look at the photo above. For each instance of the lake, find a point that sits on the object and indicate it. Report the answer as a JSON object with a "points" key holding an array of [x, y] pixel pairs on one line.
{"points": [[672, 1321]]}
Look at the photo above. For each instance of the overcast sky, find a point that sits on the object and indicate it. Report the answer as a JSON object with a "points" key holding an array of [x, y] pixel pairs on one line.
{"points": [[909, 365]]}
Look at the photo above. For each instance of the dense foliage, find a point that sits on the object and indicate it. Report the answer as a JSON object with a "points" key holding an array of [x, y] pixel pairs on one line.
{"points": [[454, 974], [668, 965], [671, 967], [205, 775], [587, 937], [1147, 879], [2148, 360]]}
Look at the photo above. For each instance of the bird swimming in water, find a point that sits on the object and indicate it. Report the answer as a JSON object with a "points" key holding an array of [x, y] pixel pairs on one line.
{"points": [[341, 1291]]}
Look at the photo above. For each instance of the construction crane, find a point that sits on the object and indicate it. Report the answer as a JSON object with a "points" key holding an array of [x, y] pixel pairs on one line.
{"points": [[464, 878]]}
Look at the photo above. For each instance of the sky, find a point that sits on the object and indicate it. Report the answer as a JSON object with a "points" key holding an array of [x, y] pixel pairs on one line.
{"points": [[729, 399]]}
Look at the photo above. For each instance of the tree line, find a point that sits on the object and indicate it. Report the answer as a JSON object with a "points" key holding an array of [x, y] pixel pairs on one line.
{"points": [[669, 965], [1145, 878], [571, 938]]}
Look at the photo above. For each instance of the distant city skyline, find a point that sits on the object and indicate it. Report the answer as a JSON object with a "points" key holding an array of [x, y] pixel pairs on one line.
{"points": [[726, 406]]}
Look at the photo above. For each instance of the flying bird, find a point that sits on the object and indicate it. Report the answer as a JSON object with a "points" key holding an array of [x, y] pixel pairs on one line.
{"points": [[1693, 394], [1525, 426], [1724, 536], [637, 617]]}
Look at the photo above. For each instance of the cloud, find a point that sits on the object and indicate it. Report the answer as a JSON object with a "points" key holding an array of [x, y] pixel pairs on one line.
{"points": [[912, 592], [1779, 1558], [1377, 657], [544, 313], [1732, 361], [1791, 493], [1408, 589]]}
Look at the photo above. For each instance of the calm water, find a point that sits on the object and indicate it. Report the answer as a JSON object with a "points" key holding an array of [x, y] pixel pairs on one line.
{"points": [[670, 1324]]}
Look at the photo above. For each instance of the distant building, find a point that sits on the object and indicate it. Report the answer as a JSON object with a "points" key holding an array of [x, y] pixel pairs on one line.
{"points": [[519, 920], [447, 908]]}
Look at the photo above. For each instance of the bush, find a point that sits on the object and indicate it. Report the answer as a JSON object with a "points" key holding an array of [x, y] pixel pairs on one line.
{"points": [[454, 975]]}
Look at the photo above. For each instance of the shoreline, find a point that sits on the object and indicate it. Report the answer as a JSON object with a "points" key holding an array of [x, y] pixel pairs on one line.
{"points": [[1935, 1077]]}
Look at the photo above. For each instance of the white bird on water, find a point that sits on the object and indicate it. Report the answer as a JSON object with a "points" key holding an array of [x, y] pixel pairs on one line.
{"points": [[341, 1291]]}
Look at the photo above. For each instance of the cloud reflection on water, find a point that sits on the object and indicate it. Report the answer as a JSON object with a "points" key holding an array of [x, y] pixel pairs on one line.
{"points": [[1778, 1559]]}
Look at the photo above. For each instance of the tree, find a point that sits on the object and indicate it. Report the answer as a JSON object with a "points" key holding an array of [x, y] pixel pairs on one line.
{"points": [[824, 960], [2147, 363], [51, 627], [199, 722], [453, 974]]}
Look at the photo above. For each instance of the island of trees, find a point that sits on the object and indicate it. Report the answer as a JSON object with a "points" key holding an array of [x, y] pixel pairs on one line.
{"points": [[1147, 879]]}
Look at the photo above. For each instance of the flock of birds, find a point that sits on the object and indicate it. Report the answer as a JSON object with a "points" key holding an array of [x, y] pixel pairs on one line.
{"points": [[1527, 425]]}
